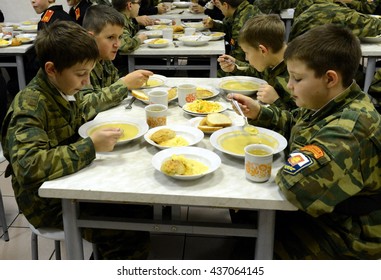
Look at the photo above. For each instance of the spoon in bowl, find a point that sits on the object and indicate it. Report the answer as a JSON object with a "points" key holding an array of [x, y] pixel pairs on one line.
{"points": [[251, 129]]}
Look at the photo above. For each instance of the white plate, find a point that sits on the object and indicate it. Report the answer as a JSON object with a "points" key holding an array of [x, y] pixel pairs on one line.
{"points": [[192, 135], [154, 34], [209, 158], [145, 92], [156, 27], [195, 122], [194, 40], [163, 21], [26, 38], [240, 79], [139, 123], [215, 35], [196, 114], [219, 135], [6, 45], [158, 79], [180, 4], [28, 28], [375, 39], [214, 91], [164, 43], [198, 25]]}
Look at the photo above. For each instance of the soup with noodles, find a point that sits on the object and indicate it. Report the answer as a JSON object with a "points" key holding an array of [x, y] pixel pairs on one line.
{"points": [[234, 85], [129, 130]]}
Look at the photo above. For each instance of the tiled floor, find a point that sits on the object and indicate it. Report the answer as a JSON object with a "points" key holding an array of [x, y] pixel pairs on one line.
{"points": [[163, 246]]}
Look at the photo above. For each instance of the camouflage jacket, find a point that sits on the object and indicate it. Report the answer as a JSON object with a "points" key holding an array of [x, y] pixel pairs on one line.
{"points": [[319, 14], [275, 6], [375, 88], [335, 162], [232, 25], [40, 140], [277, 77], [129, 42]]}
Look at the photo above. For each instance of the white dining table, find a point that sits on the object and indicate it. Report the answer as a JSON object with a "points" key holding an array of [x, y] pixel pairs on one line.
{"points": [[372, 52], [180, 13], [126, 175], [175, 54]]}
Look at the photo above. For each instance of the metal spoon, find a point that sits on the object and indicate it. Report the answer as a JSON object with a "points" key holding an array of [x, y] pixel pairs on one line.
{"points": [[129, 105], [246, 127], [242, 68]]}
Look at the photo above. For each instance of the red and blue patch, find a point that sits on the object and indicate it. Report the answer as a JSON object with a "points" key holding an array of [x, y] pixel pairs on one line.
{"points": [[296, 162]]}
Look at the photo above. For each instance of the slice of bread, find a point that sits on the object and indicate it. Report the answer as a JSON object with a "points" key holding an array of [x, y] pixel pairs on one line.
{"points": [[204, 127], [218, 119], [139, 94]]}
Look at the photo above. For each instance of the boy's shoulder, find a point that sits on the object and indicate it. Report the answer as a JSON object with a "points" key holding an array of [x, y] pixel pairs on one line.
{"points": [[53, 13]]}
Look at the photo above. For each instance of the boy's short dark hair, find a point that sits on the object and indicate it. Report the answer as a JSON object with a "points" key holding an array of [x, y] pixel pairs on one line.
{"points": [[120, 5], [98, 16], [65, 43], [327, 47], [267, 30], [233, 3]]}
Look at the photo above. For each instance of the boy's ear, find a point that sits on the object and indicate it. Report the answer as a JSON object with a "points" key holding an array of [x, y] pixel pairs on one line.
{"points": [[49, 68], [332, 78], [91, 33], [263, 49]]}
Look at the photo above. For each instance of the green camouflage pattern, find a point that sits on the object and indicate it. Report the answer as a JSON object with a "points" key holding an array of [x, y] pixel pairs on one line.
{"points": [[375, 88], [129, 42], [344, 164], [275, 6], [362, 25], [277, 77], [232, 25]]}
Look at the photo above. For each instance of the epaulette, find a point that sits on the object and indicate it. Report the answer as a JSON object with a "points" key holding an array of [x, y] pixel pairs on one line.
{"points": [[77, 13], [47, 16]]}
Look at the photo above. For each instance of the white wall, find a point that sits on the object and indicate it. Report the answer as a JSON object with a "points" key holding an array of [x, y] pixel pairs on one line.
{"points": [[20, 10]]}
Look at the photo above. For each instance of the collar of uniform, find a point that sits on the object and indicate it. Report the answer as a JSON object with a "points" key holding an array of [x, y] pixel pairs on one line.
{"points": [[68, 98]]}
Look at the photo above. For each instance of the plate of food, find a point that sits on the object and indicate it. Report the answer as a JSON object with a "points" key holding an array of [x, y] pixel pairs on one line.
{"points": [[374, 39], [201, 107], [181, 4], [28, 28], [203, 92], [240, 84], [216, 35], [26, 38], [157, 42], [163, 21], [157, 27], [5, 43], [194, 40], [142, 95], [132, 128], [232, 140], [186, 163], [155, 81], [198, 25], [169, 136], [154, 34], [212, 122]]}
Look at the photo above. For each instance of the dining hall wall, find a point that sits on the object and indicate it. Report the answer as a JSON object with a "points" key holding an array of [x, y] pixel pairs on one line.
{"points": [[20, 10]]}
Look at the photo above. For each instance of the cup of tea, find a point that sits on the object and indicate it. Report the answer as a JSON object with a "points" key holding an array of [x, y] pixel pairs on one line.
{"points": [[189, 31], [156, 115], [168, 33], [186, 93], [258, 162], [158, 97]]}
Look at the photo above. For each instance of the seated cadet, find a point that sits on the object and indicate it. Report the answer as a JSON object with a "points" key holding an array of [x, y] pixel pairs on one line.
{"points": [[208, 8], [275, 6], [78, 9], [106, 25], [41, 142], [49, 12], [262, 40], [332, 171], [151, 7]]}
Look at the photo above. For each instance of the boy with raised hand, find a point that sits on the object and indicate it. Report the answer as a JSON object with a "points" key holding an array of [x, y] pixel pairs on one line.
{"points": [[40, 134], [261, 38], [332, 171], [49, 12], [106, 25]]}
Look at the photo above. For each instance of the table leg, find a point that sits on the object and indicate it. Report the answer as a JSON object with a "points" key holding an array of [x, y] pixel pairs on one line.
{"points": [[369, 74], [20, 71], [213, 66], [73, 238], [265, 240], [131, 63]]}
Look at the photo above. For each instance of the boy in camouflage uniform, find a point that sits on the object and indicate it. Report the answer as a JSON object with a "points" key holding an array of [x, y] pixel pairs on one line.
{"points": [[333, 173], [40, 134], [275, 6], [261, 38]]}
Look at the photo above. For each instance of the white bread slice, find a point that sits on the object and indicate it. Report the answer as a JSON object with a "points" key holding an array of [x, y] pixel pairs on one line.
{"points": [[204, 127], [139, 94], [218, 119]]}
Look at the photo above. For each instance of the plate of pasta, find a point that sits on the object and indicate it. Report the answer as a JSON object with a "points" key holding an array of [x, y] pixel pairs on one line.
{"points": [[200, 107]]}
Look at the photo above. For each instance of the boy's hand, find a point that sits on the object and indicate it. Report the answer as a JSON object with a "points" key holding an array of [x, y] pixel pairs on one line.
{"points": [[145, 20], [208, 22], [249, 106], [104, 140], [226, 63], [136, 79], [267, 94], [161, 8], [142, 37]]}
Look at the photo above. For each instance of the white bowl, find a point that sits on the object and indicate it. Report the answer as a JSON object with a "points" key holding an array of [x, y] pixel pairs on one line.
{"points": [[154, 34], [140, 124], [216, 35], [26, 38], [194, 40], [150, 43], [187, 109], [163, 21], [155, 81], [198, 25], [240, 84], [180, 4], [191, 134], [5, 44], [375, 39], [209, 158]]}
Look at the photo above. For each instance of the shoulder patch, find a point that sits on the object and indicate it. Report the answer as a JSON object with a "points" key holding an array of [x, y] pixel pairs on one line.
{"points": [[47, 16], [296, 162], [315, 150]]}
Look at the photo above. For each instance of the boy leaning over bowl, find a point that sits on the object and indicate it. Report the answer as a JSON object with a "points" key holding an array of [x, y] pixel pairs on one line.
{"points": [[262, 40], [332, 173], [106, 25], [40, 139]]}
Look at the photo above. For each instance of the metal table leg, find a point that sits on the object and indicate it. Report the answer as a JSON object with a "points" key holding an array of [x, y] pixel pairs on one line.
{"points": [[265, 240]]}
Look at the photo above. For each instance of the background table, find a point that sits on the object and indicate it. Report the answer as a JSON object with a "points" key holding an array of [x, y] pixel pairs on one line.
{"points": [[371, 52], [126, 175], [182, 14]]}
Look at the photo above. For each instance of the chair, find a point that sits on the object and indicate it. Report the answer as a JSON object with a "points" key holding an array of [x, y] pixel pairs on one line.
{"points": [[55, 234], [3, 221]]}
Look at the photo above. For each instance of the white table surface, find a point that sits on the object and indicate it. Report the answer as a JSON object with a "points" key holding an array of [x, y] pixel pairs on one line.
{"points": [[127, 175], [372, 52], [182, 14]]}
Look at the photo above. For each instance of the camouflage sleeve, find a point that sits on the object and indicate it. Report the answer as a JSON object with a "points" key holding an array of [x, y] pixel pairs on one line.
{"points": [[364, 6], [129, 42]]}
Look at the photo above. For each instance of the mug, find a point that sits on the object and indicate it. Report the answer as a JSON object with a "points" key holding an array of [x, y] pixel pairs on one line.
{"points": [[189, 31], [158, 97], [156, 115], [258, 162], [168, 33], [186, 93]]}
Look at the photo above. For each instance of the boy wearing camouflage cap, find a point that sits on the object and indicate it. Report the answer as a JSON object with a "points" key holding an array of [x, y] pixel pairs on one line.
{"points": [[332, 172], [40, 134]]}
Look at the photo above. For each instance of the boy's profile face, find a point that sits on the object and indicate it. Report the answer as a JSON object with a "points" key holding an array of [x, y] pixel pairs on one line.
{"points": [[254, 57], [71, 79], [307, 90], [108, 41], [40, 5]]}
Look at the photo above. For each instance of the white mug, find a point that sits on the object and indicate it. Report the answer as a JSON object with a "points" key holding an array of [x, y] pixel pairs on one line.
{"points": [[186, 93], [168, 33], [189, 31], [258, 162], [158, 97], [156, 115]]}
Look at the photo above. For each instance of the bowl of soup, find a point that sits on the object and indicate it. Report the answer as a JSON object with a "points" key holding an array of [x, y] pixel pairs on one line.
{"points": [[240, 84]]}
